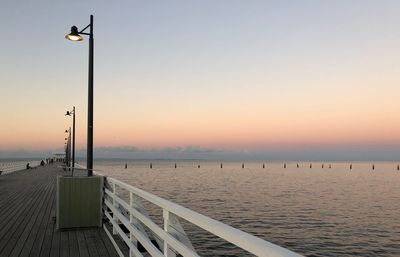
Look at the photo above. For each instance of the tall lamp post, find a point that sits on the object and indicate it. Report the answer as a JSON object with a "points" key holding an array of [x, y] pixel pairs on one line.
{"points": [[73, 136], [68, 148], [75, 35]]}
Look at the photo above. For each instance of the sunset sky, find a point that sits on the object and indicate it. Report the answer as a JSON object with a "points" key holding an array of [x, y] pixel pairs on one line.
{"points": [[272, 77]]}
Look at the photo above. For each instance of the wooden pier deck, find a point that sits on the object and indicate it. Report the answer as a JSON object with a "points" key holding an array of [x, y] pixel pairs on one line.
{"points": [[27, 220]]}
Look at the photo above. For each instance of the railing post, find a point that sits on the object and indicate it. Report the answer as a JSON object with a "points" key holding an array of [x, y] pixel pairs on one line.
{"points": [[131, 237], [115, 206], [166, 229]]}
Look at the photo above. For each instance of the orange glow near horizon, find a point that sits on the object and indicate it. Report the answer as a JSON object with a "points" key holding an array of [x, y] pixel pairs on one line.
{"points": [[326, 81], [369, 118]]}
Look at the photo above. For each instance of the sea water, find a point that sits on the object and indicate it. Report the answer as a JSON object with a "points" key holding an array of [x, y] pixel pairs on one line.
{"points": [[314, 211]]}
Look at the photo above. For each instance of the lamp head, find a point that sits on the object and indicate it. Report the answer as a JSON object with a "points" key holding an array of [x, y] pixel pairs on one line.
{"points": [[68, 113], [74, 35]]}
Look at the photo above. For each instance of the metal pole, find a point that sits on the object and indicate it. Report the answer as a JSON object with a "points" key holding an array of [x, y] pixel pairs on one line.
{"points": [[66, 154], [73, 142], [90, 104], [69, 146]]}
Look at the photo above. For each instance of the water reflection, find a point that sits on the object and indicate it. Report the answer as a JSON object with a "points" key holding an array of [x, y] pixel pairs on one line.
{"points": [[313, 211]]}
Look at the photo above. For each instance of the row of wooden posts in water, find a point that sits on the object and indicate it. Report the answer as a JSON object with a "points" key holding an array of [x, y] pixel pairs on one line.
{"points": [[263, 166]]}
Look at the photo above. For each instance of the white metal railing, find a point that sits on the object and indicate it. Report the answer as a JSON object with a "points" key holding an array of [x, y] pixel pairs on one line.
{"points": [[8, 167], [171, 239]]}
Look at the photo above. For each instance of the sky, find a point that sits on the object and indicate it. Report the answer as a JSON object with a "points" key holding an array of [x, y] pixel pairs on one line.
{"points": [[204, 79]]}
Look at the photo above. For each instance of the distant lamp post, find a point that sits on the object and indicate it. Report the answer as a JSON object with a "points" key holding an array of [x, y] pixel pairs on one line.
{"points": [[69, 113], [75, 35], [68, 147]]}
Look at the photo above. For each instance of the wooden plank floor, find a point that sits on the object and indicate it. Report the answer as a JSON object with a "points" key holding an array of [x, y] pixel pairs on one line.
{"points": [[27, 220]]}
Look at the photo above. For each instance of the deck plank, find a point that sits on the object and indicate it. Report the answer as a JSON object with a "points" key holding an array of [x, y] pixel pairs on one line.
{"points": [[27, 224], [83, 250], [48, 237], [33, 224], [101, 248], [14, 228], [108, 244], [64, 244], [38, 241], [90, 241], [73, 244], [55, 245], [12, 209]]}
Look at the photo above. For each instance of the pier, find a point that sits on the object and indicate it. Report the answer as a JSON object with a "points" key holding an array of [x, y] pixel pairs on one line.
{"points": [[29, 220], [28, 215]]}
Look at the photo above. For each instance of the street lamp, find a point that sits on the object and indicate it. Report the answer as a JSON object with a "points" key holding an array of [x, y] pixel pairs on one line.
{"points": [[73, 136], [75, 35], [68, 147]]}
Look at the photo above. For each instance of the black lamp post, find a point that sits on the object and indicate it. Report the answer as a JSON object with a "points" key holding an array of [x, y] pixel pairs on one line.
{"points": [[68, 147], [75, 35], [73, 136]]}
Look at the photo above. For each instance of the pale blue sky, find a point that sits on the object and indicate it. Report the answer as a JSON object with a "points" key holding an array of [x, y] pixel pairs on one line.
{"points": [[185, 66]]}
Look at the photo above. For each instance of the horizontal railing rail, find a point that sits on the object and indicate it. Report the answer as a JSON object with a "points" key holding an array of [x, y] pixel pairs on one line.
{"points": [[171, 239], [9, 167]]}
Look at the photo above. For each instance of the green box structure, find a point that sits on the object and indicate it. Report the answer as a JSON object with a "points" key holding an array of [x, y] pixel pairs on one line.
{"points": [[79, 201]]}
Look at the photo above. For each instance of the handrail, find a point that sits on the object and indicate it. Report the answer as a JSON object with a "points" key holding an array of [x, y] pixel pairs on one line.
{"points": [[154, 227], [9, 167], [171, 211]]}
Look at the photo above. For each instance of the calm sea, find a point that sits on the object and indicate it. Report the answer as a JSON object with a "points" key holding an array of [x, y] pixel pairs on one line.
{"points": [[318, 211]]}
